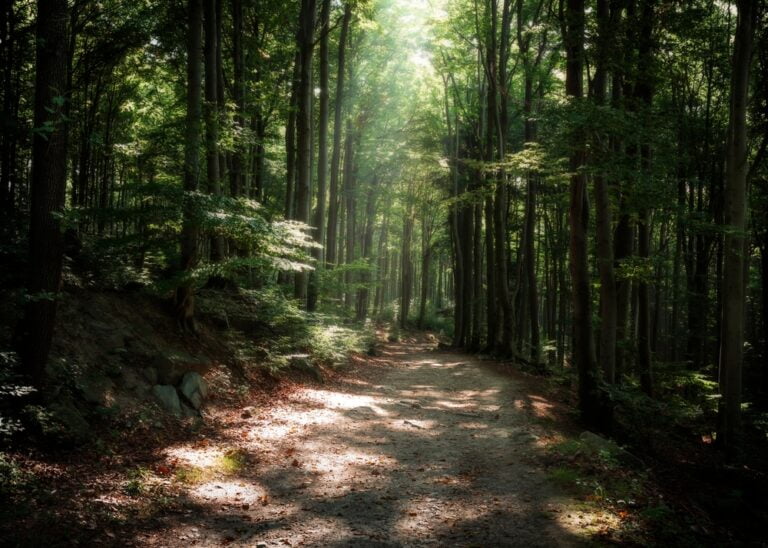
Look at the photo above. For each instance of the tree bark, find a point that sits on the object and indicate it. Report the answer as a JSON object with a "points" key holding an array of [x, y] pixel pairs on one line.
{"points": [[603, 221], [333, 202], [322, 155], [48, 183], [583, 348], [306, 39], [185, 303], [736, 200], [211, 112], [237, 174]]}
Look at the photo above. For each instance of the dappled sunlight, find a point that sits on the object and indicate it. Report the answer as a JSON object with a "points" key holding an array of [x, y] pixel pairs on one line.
{"points": [[341, 400], [228, 492], [420, 453], [471, 425]]}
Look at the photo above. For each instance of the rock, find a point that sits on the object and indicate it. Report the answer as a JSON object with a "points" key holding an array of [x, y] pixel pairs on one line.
{"points": [[96, 388], [168, 398], [173, 364], [247, 413], [598, 444], [194, 388]]}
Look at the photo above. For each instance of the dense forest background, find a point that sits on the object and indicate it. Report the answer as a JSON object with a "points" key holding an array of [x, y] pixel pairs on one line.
{"points": [[579, 187]]}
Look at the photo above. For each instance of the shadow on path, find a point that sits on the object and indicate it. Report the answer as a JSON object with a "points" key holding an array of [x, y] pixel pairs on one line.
{"points": [[424, 447]]}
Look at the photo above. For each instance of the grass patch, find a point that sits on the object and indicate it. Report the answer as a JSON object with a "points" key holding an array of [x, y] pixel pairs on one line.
{"points": [[191, 475], [137, 482], [232, 461], [565, 477]]}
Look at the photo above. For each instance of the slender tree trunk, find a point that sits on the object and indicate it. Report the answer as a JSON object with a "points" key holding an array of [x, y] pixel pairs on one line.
{"points": [[426, 264], [644, 92], [237, 174], [48, 183], [185, 303], [406, 271], [583, 348], [736, 201], [603, 221], [211, 112], [322, 158], [306, 38], [290, 141], [350, 209], [333, 203]]}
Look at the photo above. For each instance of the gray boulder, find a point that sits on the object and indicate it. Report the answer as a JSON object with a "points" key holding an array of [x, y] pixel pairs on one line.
{"points": [[194, 388], [168, 398]]}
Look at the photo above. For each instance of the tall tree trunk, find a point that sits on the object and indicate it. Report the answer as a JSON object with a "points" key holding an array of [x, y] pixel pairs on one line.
{"points": [[406, 270], [426, 263], [644, 92], [237, 174], [290, 141], [583, 348], [211, 112], [603, 221], [322, 158], [306, 39], [333, 202], [736, 200], [8, 135], [185, 304], [48, 183]]}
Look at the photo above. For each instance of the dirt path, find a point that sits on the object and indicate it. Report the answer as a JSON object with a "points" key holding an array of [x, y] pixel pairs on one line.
{"points": [[424, 447]]}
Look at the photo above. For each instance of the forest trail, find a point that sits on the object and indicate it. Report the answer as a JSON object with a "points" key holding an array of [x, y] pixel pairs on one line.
{"points": [[417, 447]]}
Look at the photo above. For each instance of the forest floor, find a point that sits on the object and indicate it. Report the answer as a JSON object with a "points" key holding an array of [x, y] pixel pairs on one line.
{"points": [[414, 446], [410, 448]]}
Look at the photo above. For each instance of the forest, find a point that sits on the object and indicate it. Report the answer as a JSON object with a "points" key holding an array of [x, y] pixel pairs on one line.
{"points": [[383, 272]]}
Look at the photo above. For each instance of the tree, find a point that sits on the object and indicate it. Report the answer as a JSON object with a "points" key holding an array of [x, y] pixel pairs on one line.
{"points": [[185, 303], [322, 147], [211, 112], [333, 201], [306, 44], [583, 347], [49, 156], [737, 165]]}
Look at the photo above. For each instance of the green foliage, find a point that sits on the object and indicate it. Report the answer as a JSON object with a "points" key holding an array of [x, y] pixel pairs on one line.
{"points": [[136, 482], [13, 479]]}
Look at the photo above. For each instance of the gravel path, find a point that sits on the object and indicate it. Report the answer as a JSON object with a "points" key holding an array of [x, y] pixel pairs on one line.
{"points": [[420, 447]]}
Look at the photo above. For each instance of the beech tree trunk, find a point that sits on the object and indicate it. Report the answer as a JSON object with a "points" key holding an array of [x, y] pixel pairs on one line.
{"points": [[48, 183], [583, 347], [603, 216], [290, 141], [211, 112], [306, 39], [185, 304], [736, 200], [333, 201], [322, 156], [237, 174]]}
